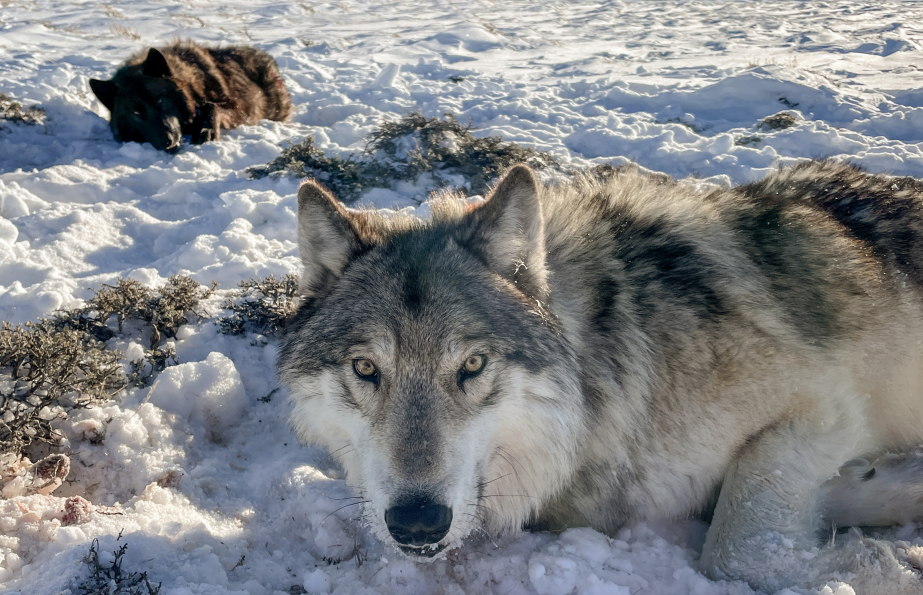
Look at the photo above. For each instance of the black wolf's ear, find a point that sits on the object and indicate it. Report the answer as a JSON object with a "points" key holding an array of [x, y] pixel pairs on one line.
{"points": [[327, 238], [104, 91], [509, 231], [156, 64]]}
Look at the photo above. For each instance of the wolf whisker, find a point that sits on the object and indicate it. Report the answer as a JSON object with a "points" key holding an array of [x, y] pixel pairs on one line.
{"points": [[484, 483], [342, 507]]}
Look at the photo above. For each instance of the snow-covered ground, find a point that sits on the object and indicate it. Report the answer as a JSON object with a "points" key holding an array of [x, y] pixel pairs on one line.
{"points": [[675, 86]]}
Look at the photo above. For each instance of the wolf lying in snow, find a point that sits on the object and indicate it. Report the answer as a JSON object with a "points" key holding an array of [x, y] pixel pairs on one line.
{"points": [[161, 94], [606, 352]]}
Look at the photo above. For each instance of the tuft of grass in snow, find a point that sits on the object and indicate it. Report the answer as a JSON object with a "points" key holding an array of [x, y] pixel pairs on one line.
{"points": [[407, 150], [124, 31], [261, 305], [779, 121], [697, 128], [13, 111], [47, 368], [111, 579], [747, 140]]}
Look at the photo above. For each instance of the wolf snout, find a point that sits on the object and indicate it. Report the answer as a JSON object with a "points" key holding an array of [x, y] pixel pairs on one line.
{"points": [[419, 522]]}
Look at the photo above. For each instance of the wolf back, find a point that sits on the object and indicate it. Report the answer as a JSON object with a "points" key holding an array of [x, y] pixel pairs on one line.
{"points": [[161, 94], [603, 352]]}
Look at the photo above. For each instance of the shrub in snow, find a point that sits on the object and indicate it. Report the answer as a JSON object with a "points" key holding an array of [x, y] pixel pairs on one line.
{"points": [[57, 364], [347, 178], [111, 579], [260, 305], [164, 309], [443, 147], [408, 150], [779, 121], [13, 111], [45, 369], [154, 361]]}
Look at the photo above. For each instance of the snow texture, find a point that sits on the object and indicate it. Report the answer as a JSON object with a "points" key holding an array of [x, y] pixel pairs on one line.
{"points": [[199, 474]]}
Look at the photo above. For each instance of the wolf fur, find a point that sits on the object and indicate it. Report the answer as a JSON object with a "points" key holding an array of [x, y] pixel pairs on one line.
{"points": [[652, 351], [161, 94]]}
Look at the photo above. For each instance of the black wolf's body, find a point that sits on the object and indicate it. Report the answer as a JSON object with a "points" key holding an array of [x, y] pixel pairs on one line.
{"points": [[605, 352], [161, 94]]}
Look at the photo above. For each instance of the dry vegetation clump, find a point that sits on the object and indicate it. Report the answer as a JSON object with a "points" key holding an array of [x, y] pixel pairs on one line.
{"points": [[155, 361], [58, 364], [46, 369], [261, 305], [416, 145], [124, 31], [406, 150], [111, 579], [164, 309], [779, 121], [13, 111], [346, 178]]}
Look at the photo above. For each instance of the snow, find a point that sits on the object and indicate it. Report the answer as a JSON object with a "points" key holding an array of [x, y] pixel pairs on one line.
{"points": [[207, 393], [200, 474]]}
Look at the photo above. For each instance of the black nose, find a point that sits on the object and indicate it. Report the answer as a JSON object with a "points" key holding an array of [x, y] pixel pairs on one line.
{"points": [[419, 522]]}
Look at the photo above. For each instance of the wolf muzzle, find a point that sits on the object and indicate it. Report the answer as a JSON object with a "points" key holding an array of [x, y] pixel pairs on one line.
{"points": [[420, 522], [174, 136]]}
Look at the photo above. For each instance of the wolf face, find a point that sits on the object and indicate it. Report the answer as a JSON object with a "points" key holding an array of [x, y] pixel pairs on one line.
{"points": [[422, 355], [146, 104]]}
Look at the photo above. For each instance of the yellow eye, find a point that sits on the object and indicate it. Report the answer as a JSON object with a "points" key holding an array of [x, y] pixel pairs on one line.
{"points": [[365, 368], [475, 364]]}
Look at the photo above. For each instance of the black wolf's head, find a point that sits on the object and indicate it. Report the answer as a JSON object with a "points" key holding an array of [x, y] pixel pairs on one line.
{"points": [[425, 358], [146, 104]]}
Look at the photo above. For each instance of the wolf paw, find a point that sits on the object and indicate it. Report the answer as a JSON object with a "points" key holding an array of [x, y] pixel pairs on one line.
{"points": [[205, 135], [205, 126]]}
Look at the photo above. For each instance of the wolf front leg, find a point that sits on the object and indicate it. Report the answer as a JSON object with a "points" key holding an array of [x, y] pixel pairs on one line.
{"points": [[768, 522], [207, 124]]}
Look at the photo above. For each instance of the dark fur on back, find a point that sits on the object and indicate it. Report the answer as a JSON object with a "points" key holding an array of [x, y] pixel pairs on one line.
{"points": [[884, 214], [161, 94]]}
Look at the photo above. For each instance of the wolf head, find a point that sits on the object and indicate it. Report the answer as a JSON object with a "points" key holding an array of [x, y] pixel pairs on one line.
{"points": [[146, 104], [425, 358]]}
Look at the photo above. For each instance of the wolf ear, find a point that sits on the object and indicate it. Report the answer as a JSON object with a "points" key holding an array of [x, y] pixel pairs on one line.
{"points": [[156, 64], [327, 239], [104, 91], [509, 231]]}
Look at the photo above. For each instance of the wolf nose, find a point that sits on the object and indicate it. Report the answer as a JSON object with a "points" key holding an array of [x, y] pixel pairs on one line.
{"points": [[420, 522]]}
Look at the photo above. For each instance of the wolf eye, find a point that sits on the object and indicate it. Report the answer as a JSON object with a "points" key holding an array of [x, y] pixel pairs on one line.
{"points": [[475, 364], [365, 369]]}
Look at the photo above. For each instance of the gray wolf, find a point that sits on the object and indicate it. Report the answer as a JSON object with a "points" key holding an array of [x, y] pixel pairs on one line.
{"points": [[603, 352], [161, 94]]}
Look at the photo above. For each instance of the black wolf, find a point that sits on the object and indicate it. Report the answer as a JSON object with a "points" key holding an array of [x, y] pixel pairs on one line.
{"points": [[161, 94]]}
